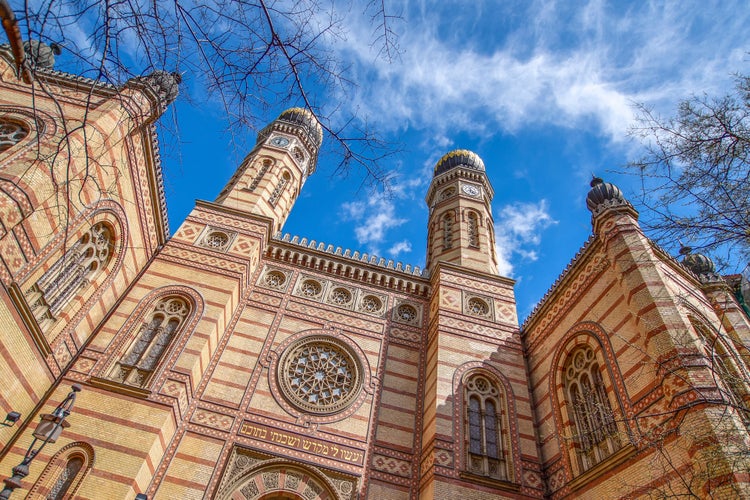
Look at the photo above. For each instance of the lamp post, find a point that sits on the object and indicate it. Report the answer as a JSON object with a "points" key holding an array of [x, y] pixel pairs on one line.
{"points": [[47, 431]]}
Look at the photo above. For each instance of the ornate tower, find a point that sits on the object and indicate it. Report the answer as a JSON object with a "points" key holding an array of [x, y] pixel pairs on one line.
{"points": [[460, 227], [270, 178]]}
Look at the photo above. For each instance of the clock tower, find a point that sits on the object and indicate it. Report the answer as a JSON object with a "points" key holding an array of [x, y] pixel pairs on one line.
{"points": [[270, 178], [461, 229]]}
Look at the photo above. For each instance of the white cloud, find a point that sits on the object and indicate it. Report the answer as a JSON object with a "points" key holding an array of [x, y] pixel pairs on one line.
{"points": [[519, 64], [373, 218], [518, 229], [400, 247]]}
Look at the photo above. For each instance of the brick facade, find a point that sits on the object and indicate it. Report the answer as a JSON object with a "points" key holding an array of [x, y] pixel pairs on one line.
{"points": [[228, 362]]}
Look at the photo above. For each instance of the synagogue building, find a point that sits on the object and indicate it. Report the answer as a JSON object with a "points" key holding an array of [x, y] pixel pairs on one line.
{"points": [[232, 361]]}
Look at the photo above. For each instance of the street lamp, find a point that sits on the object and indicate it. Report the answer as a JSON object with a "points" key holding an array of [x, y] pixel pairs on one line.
{"points": [[47, 431]]}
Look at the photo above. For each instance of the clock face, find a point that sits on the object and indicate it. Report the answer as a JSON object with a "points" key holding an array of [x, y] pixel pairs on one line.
{"points": [[279, 141], [470, 190]]}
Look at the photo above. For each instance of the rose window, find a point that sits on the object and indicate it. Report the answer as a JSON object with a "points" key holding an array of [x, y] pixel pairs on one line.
{"points": [[341, 296], [310, 288], [405, 312], [10, 134], [275, 279], [371, 304], [319, 375], [216, 240], [478, 307]]}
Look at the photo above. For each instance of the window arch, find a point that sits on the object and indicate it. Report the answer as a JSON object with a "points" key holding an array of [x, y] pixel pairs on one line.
{"points": [[485, 429], [447, 231], [725, 369], [276, 194], [71, 273], [595, 435], [64, 473], [265, 165], [157, 331], [473, 229]]}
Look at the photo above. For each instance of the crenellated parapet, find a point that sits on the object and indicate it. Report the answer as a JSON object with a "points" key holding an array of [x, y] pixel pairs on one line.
{"points": [[357, 266]]}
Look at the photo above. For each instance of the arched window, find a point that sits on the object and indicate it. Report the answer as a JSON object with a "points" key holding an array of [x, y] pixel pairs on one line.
{"points": [[473, 226], [71, 273], [11, 133], [276, 194], [155, 334], [64, 473], [595, 435], [65, 479], [725, 370], [447, 231], [484, 437], [261, 172]]}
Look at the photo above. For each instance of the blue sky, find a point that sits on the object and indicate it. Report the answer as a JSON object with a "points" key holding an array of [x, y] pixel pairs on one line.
{"points": [[544, 92]]}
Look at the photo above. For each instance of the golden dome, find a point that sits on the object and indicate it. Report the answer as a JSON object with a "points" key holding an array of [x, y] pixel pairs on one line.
{"points": [[459, 158]]}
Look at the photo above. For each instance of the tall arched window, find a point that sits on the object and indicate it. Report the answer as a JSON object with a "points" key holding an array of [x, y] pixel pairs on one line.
{"points": [[64, 473], [155, 334], [484, 442], [65, 480], [595, 436], [71, 273], [447, 231], [261, 172], [725, 370], [473, 227], [276, 194]]}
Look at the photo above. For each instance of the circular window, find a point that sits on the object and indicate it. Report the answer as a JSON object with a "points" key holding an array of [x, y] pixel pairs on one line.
{"points": [[371, 304], [405, 312], [478, 307], [216, 239], [275, 279], [341, 296], [310, 288], [319, 374], [11, 133]]}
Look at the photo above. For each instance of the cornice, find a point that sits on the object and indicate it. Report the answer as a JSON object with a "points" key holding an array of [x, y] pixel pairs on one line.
{"points": [[373, 270], [457, 269], [564, 279]]}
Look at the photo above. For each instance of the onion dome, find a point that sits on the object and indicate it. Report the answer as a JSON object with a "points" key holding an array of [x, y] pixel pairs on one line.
{"points": [[603, 193], [306, 119], [459, 158], [696, 262]]}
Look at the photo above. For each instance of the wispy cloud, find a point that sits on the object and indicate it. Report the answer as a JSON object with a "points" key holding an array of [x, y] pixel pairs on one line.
{"points": [[562, 63], [399, 248], [518, 231], [373, 219]]}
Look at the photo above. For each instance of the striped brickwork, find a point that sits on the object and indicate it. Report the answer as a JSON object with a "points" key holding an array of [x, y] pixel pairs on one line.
{"points": [[88, 158], [212, 416], [632, 304]]}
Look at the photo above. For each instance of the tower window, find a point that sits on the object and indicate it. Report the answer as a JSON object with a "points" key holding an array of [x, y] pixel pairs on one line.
{"points": [[276, 194], [473, 230], [447, 231], [595, 436], [263, 169]]}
